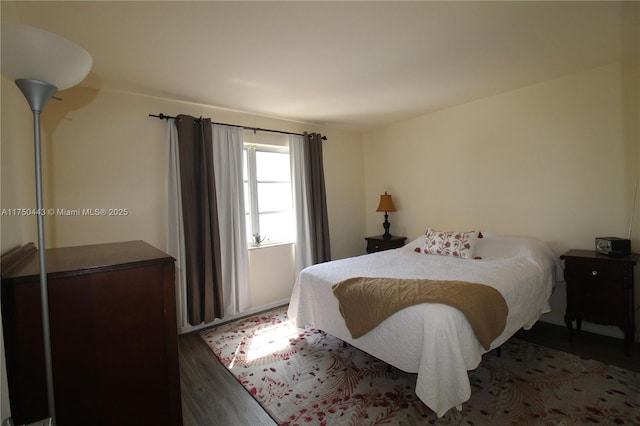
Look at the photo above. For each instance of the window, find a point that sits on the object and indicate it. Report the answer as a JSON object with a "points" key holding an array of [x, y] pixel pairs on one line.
{"points": [[267, 188]]}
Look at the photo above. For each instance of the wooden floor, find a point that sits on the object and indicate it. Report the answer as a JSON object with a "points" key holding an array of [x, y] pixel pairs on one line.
{"points": [[212, 396], [587, 345]]}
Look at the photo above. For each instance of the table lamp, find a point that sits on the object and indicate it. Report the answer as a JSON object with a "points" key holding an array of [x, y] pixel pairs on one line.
{"points": [[386, 205]]}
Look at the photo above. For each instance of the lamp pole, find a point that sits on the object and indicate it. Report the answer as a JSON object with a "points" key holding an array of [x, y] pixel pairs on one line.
{"points": [[41, 64], [38, 93]]}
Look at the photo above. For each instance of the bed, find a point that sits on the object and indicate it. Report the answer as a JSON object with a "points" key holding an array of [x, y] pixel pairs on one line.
{"points": [[434, 340]]}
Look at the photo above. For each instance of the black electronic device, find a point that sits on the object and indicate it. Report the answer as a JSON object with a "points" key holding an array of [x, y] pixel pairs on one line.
{"points": [[613, 246]]}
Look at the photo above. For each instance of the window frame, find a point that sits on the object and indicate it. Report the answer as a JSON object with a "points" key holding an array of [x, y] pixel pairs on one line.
{"points": [[251, 148]]}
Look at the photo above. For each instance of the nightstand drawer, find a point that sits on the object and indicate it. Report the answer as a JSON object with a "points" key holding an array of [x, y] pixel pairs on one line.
{"points": [[375, 244], [596, 290]]}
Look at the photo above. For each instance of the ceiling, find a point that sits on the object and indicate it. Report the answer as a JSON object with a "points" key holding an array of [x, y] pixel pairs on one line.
{"points": [[354, 65]]}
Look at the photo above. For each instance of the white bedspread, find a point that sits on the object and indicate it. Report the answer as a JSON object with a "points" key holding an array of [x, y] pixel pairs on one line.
{"points": [[433, 340]]}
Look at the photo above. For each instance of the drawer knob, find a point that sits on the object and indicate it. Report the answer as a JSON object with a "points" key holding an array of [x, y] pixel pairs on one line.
{"points": [[594, 273]]}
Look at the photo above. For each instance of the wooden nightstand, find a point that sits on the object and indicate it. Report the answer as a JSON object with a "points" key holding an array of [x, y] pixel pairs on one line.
{"points": [[378, 243], [600, 290]]}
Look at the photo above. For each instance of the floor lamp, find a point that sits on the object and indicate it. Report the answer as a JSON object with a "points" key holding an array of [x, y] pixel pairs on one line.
{"points": [[41, 64]]}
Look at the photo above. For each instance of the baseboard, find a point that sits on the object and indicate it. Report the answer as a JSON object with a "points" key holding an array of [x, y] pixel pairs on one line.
{"points": [[250, 311]]}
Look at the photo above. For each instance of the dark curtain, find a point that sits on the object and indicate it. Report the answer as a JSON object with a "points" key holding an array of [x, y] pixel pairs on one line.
{"points": [[200, 214], [317, 198]]}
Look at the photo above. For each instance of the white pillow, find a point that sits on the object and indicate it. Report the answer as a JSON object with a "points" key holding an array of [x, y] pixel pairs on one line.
{"points": [[450, 243]]}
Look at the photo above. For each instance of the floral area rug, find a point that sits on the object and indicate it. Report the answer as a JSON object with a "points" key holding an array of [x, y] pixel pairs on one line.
{"points": [[305, 376]]}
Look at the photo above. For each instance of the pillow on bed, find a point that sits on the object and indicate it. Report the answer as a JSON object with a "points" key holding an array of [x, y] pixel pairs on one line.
{"points": [[454, 243]]}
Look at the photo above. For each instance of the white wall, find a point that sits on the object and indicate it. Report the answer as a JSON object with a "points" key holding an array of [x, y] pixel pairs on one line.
{"points": [[556, 160], [17, 173], [104, 151], [274, 286]]}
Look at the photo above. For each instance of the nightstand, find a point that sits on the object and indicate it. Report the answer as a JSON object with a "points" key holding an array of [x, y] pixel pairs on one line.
{"points": [[600, 290], [379, 243]]}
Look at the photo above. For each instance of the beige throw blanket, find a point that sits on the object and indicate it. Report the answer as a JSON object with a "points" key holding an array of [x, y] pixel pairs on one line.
{"points": [[366, 302]]}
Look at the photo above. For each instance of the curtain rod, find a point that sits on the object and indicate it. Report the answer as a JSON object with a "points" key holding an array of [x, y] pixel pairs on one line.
{"points": [[162, 116]]}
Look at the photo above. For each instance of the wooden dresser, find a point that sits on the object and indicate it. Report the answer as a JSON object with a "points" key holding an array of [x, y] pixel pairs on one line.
{"points": [[113, 335]]}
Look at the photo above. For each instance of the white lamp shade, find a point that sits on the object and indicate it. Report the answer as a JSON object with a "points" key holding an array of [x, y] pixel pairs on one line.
{"points": [[32, 53]]}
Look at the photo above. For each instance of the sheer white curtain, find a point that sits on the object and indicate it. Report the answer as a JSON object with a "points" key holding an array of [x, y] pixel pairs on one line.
{"points": [[228, 144], [175, 228], [304, 256]]}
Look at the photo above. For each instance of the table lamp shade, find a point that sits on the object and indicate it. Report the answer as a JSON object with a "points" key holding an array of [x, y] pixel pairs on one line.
{"points": [[34, 54], [386, 204]]}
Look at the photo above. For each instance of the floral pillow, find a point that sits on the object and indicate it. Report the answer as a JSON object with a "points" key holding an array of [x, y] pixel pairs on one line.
{"points": [[454, 243]]}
